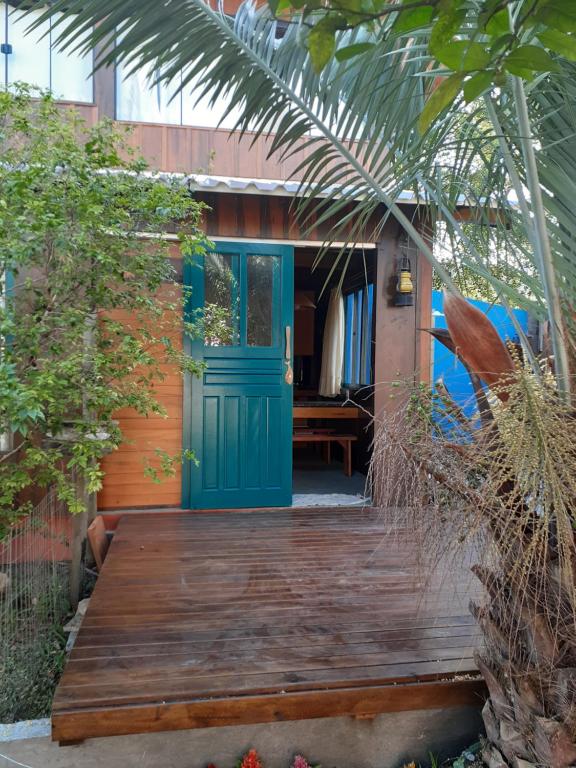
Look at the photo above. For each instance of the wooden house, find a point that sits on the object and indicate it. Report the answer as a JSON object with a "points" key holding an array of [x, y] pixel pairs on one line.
{"points": [[209, 619], [246, 418]]}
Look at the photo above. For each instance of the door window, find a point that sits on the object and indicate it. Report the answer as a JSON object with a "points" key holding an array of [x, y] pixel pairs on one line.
{"points": [[221, 300], [263, 275]]}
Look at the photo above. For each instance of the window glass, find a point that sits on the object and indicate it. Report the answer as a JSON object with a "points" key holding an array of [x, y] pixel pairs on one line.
{"points": [[71, 71], [206, 113], [35, 58], [30, 57], [263, 291], [141, 99], [221, 300], [359, 310]]}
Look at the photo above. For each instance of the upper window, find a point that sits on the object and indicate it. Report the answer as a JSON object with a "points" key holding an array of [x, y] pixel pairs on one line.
{"points": [[34, 58], [359, 311], [140, 98]]}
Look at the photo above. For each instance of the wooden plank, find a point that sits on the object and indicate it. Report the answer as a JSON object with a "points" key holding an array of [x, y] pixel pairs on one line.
{"points": [[300, 613], [425, 638], [325, 412], [131, 690], [121, 637], [236, 671], [146, 494], [124, 482], [312, 437], [172, 404], [68, 725], [99, 543]]}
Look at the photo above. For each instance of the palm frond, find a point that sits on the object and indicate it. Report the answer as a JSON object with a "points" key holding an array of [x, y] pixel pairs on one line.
{"points": [[357, 120], [271, 81]]}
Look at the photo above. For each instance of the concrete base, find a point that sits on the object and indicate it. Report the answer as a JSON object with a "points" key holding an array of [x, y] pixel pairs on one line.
{"points": [[388, 741]]}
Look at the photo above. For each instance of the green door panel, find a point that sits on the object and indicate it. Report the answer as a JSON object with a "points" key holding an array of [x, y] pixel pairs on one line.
{"points": [[238, 414]]}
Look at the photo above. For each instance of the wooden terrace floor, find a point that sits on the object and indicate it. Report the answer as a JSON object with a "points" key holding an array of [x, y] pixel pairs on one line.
{"points": [[207, 619]]}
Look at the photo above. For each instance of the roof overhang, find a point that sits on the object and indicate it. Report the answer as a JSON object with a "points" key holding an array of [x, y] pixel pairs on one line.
{"points": [[201, 182]]}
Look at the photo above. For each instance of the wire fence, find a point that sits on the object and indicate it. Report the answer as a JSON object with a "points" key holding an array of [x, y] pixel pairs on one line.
{"points": [[34, 602]]}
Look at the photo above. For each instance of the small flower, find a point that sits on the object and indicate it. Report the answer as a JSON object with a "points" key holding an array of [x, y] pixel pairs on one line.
{"points": [[300, 762], [251, 760]]}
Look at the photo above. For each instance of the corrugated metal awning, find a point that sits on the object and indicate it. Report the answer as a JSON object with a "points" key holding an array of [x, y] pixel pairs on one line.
{"points": [[243, 185]]}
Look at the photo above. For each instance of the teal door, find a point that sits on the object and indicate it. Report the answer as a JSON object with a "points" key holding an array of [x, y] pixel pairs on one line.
{"points": [[238, 415]]}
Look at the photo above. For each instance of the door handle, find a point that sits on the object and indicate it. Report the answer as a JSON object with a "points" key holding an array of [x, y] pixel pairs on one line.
{"points": [[288, 354], [289, 375]]}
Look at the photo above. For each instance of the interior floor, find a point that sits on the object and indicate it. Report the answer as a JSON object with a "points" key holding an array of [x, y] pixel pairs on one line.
{"points": [[315, 483]]}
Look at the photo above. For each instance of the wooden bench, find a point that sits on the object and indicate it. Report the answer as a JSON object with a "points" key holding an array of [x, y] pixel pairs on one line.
{"points": [[327, 438]]}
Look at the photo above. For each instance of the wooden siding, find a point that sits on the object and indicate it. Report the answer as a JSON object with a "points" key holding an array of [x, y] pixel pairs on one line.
{"points": [[88, 112], [271, 217], [125, 484], [212, 619], [402, 348], [217, 151], [188, 149]]}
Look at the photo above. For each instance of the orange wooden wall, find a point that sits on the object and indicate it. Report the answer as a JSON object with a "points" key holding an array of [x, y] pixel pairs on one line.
{"points": [[125, 484]]}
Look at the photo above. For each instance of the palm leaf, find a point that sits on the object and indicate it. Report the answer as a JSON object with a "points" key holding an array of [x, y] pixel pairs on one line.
{"points": [[358, 120], [277, 91]]}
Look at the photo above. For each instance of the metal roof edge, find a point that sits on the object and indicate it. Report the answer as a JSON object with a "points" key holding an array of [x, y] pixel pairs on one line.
{"points": [[244, 185], [275, 187]]}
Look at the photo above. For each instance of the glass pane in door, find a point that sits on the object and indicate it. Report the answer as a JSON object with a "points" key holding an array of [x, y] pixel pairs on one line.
{"points": [[221, 300], [263, 273]]}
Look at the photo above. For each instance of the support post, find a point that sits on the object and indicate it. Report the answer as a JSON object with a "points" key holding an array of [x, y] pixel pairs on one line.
{"points": [[402, 350], [79, 528]]}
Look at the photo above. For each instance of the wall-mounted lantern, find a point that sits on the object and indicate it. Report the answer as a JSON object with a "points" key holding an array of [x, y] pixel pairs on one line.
{"points": [[404, 295]]}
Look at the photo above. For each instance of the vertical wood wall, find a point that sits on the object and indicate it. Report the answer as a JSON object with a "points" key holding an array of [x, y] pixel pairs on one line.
{"points": [[403, 350], [125, 484]]}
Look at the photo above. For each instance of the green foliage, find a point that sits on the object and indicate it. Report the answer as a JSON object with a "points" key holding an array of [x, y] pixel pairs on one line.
{"points": [[30, 677], [92, 309], [478, 44], [32, 644], [359, 120], [321, 41], [165, 464], [442, 96], [349, 51]]}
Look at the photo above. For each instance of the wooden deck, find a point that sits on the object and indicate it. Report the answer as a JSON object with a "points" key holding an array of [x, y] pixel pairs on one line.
{"points": [[207, 619]]}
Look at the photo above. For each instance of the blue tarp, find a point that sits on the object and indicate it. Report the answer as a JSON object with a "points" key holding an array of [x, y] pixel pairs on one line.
{"points": [[446, 367]]}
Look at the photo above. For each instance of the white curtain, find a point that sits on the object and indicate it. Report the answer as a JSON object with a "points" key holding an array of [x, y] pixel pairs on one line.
{"points": [[333, 346]]}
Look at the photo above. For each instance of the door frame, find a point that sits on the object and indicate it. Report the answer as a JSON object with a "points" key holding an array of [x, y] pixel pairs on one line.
{"points": [[191, 383]]}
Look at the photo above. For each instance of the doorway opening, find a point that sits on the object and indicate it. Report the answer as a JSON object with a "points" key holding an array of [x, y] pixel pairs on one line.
{"points": [[334, 316]]}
